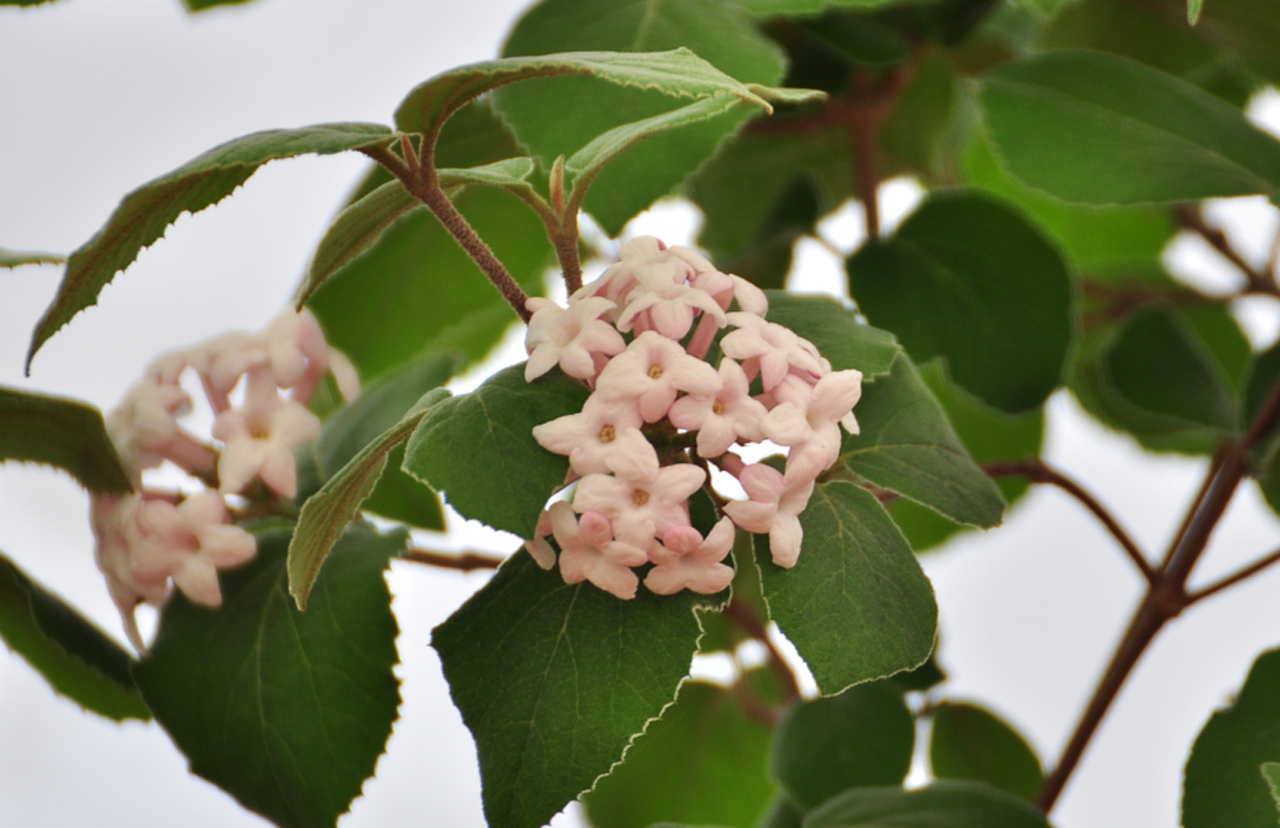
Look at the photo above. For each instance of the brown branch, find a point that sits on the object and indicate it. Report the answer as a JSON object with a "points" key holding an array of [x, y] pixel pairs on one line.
{"points": [[745, 617], [465, 561], [1231, 580], [1259, 281], [1037, 471]]}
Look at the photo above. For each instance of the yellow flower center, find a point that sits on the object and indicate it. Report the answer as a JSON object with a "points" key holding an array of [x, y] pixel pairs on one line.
{"points": [[639, 497], [655, 372], [717, 407], [607, 434]]}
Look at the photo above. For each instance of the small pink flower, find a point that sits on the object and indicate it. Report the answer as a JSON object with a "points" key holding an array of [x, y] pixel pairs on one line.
{"points": [[723, 419], [604, 437], [145, 430], [588, 552], [686, 561], [653, 370], [569, 337], [774, 508], [776, 349], [641, 511], [259, 440], [812, 416]]}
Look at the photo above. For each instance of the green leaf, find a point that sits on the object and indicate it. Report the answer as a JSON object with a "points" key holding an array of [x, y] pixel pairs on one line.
{"points": [[145, 214], [286, 711], [1099, 129], [18, 258], [862, 737], [561, 115], [201, 5], [415, 289], [783, 813], [77, 659], [836, 332], [478, 449], [1157, 364], [64, 433], [906, 445], [949, 804], [356, 229], [678, 72], [856, 605], [1221, 785], [705, 761], [768, 8], [1090, 236], [326, 514], [581, 673], [988, 435], [970, 742], [968, 278]]}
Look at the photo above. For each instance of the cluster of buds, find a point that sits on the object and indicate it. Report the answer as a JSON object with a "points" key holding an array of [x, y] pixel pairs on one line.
{"points": [[639, 336], [147, 539]]}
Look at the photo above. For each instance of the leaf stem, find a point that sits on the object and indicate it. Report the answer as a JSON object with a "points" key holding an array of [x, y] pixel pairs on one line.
{"points": [[465, 561], [1037, 471], [424, 185], [1259, 281], [744, 616]]}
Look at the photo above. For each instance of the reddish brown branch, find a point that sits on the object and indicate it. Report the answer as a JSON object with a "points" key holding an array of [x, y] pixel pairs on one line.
{"points": [[1231, 580], [745, 617], [465, 561], [1259, 281]]}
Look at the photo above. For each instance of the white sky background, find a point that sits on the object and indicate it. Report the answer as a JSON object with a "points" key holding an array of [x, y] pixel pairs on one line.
{"points": [[100, 96]]}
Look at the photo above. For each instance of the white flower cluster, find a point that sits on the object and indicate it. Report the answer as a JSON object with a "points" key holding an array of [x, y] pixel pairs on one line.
{"points": [[639, 336], [147, 538]]}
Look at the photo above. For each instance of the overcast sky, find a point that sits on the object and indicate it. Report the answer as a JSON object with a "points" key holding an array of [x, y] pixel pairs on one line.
{"points": [[102, 95]]}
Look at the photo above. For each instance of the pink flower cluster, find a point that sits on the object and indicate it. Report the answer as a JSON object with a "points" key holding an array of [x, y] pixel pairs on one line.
{"points": [[148, 538], [639, 336]]}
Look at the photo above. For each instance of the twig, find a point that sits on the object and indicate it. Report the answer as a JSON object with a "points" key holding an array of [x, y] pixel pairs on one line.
{"points": [[1258, 281], [1231, 580], [465, 561], [745, 617], [1037, 471]]}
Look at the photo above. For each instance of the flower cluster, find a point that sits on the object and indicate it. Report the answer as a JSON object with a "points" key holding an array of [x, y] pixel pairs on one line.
{"points": [[148, 538], [639, 336]]}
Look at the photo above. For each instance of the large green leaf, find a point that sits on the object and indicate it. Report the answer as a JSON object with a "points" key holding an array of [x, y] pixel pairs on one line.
{"points": [[971, 742], [77, 659], [856, 605], [327, 513], [862, 737], [677, 72], [63, 433], [1090, 236], [580, 673], [1223, 785], [968, 278], [561, 115], [284, 710], [942, 804], [145, 214], [836, 332], [705, 761], [803, 7], [478, 449], [415, 288], [988, 434], [905, 444], [1099, 129]]}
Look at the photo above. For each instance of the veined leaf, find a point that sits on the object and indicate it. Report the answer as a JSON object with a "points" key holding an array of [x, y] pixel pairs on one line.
{"points": [[970, 279], [970, 742], [284, 710], [860, 738], [964, 804], [1223, 787], [18, 258], [856, 604], [145, 214], [906, 445], [678, 72], [559, 116], [1194, 7], [705, 761], [1099, 129], [478, 448], [582, 672], [327, 513], [77, 659], [63, 433]]}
